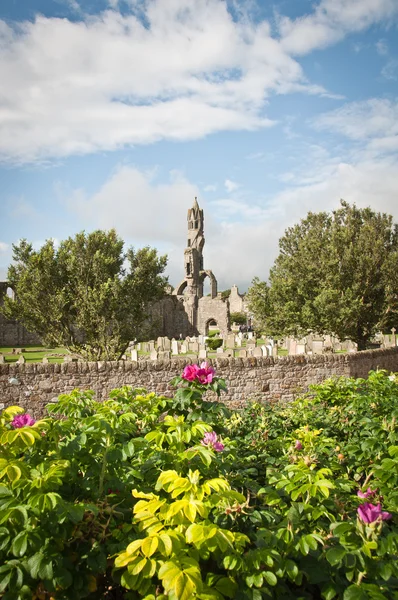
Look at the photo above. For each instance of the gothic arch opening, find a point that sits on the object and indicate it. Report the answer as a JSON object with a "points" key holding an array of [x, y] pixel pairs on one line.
{"points": [[212, 280], [180, 289], [211, 325]]}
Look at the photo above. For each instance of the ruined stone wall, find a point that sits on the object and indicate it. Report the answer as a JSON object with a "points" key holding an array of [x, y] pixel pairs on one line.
{"points": [[216, 309], [169, 318], [13, 333], [257, 378]]}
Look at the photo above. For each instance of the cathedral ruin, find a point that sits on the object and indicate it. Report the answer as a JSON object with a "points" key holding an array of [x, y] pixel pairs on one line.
{"points": [[186, 311], [182, 312]]}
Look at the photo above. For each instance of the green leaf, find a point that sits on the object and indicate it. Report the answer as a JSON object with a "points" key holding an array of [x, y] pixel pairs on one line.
{"points": [[20, 544], [335, 555], [355, 592], [270, 578]]}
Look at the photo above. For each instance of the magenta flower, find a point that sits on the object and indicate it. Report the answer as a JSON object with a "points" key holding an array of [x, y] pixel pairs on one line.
{"points": [[210, 440], [298, 445], [369, 513], [368, 494], [22, 421], [205, 374], [190, 372], [202, 374]]}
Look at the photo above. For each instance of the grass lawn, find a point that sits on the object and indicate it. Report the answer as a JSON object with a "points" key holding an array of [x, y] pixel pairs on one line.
{"points": [[32, 354]]}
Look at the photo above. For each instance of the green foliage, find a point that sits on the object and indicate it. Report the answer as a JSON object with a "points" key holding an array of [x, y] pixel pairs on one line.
{"points": [[335, 273], [214, 343], [82, 295], [127, 495], [238, 317]]}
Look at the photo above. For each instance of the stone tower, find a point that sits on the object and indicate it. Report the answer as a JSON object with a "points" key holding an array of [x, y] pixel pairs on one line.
{"points": [[199, 310], [193, 254]]}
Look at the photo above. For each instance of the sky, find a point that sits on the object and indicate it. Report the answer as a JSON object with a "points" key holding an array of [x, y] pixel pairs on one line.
{"points": [[117, 113]]}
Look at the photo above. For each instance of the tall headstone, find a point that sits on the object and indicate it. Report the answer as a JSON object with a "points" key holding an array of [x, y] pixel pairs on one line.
{"points": [[174, 347], [317, 346], [166, 344], [230, 340], [202, 353], [134, 355], [257, 352], [242, 353], [153, 355], [160, 343], [183, 349]]}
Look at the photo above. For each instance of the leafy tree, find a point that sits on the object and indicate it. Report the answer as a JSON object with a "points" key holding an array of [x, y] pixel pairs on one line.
{"points": [[336, 273], [88, 295], [239, 318]]}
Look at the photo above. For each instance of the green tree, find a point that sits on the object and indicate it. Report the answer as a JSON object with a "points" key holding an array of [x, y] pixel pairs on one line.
{"points": [[239, 318], [88, 295], [336, 273]]}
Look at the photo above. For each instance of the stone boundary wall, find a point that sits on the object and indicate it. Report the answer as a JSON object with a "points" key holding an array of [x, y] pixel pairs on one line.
{"points": [[279, 379]]}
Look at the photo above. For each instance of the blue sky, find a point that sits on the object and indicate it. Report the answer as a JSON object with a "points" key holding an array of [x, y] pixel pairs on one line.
{"points": [[117, 113]]}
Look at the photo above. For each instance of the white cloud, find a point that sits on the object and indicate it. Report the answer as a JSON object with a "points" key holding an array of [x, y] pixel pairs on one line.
{"points": [[4, 247], [363, 121], [210, 188], [382, 48], [112, 81], [331, 21], [231, 186]]}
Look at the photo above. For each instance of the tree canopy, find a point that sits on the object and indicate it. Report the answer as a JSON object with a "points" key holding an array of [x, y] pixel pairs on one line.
{"points": [[88, 294], [336, 274]]}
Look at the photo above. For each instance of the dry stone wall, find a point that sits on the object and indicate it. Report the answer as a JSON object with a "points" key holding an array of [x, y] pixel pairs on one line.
{"points": [[35, 385]]}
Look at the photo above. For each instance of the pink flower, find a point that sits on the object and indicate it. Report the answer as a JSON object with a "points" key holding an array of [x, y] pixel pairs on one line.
{"points": [[205, 374], [369, 513], [22, 421], [210, 440], [202, 374], [368, 494], [190, 372], [298, 445]]}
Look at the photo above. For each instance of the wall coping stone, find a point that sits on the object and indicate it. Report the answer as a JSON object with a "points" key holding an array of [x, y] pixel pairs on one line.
{"points": [[179, 363]]}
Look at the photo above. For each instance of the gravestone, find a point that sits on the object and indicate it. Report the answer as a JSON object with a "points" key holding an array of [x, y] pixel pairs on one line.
{"points": [[264, 351], [151, 346], [166, 344], [21, 359], [250, 335], [274, 351], [194, 347], [164, 355], [293, 347], [2, 359], [220, 350], [45, 360], [174, 347], [138, 346], [134, 355], [160, 343], [202, 353], [201, 340], [183, 349], [393, 337], [242, 353], [300, 348], [317, 346], [238, 341], [230, 340], [153, 355], [257, 352]]}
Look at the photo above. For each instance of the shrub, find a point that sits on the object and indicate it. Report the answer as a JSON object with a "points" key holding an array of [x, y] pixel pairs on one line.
{"points": [[143, 496], [215, 343], [239, 318]]}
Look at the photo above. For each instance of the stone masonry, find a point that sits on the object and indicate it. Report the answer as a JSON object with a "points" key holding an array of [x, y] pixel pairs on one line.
{"points": [[32, 386]]}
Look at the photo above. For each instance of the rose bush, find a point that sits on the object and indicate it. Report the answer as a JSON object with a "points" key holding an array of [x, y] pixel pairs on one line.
{"points": [[144, 496]]}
